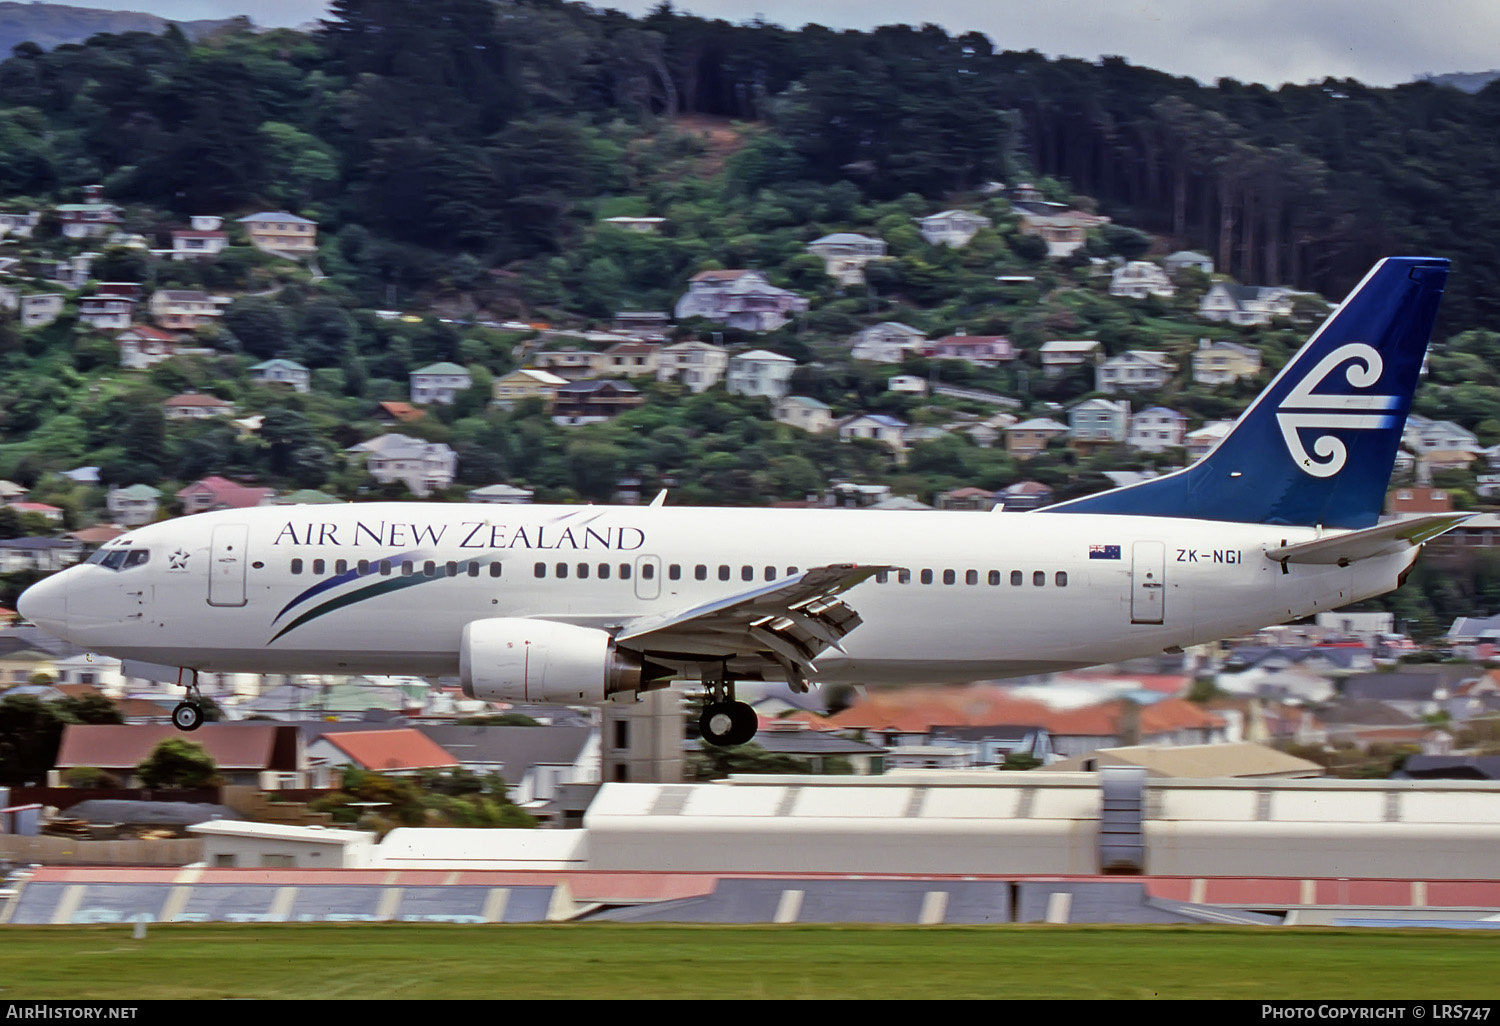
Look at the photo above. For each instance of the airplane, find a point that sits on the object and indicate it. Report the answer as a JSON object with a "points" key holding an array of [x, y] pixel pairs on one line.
{"points": [[587, 604]]}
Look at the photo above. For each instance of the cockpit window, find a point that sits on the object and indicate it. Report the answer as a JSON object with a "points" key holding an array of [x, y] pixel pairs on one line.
{"points": [[120, 559]]}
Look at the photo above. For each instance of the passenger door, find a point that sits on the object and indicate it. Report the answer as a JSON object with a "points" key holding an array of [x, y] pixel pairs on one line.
{"points": [[1148, 582], [226, 571]]}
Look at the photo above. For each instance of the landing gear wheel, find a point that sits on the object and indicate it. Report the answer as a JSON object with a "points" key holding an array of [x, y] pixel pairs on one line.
{"points": [[745, 723], [726, 724], [187, 716], [717, 724]]}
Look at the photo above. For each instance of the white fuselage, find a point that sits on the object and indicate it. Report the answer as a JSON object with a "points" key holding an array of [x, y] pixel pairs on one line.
{"points": [[386, 588]]}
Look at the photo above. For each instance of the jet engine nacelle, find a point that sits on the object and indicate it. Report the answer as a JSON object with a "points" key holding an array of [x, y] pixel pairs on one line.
{"points": [[517, 660]]}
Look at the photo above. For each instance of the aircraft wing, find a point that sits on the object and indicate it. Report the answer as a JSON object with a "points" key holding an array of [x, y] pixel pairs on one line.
{"points": [[1381, 540], [791, 620]]}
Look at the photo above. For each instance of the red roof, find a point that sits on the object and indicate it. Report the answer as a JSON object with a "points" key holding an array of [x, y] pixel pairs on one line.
{"points": [[148, 333], [192, 399], [404, 412], [34, 507], [227, 492], [403, 748], [124, 746]]}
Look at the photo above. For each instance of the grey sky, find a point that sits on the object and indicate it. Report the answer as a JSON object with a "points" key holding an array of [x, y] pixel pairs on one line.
{"points": [[1379, 42]]}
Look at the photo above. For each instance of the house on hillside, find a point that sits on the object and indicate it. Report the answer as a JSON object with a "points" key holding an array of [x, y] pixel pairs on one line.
{"points": [[439, 383], [1030, 437], [93, 218], [1134, 371], [630, 360], [1096, 422], [424, 467], [1218, 363], [1024, 495], [876, 427], [739, 298], [186, 309], [106, 312], [1184, 258], [1244, 304], [204, 240], [283, 372], [952, 227], [401, 752], [760, 372], [979, 350], [197, 406], [40, 309], [524, 383], [590, 402], [1139, 279], [891, 342], [1061, 355], [1065, 231], [281, 233], [845, 255], [573, 363], [216, 492], [698, 365], [799, 411], [143, 346], [1156, 428], [133, 506]]}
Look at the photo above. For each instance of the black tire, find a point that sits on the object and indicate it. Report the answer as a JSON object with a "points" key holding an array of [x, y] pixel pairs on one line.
{"points": [[187, 716], [717, 724], [746, 723]]}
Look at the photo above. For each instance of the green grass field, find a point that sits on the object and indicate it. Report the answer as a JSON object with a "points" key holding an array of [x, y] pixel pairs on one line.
{"points": [[616, 960]]}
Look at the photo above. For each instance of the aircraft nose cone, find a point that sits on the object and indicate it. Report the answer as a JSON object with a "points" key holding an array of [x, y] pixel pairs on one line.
{"points": [[45, 604]]}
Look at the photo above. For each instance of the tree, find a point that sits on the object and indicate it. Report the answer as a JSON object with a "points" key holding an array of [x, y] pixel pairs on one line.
{"points": [[177, 762], [30, 731]]}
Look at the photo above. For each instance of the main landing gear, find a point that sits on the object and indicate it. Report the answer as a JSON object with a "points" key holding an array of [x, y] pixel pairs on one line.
{"points": [[725, 722], [188, 715]]}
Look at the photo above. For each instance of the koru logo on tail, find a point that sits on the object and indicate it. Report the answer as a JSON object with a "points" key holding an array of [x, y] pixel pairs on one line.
{"points": [[1306, 410]]}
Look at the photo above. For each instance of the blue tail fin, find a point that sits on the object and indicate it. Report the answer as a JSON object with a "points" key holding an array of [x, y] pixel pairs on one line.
{"points": [[1317, 446]]}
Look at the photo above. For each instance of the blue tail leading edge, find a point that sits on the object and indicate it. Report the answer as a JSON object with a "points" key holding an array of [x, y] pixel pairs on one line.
{"points": [[1318, 445]]}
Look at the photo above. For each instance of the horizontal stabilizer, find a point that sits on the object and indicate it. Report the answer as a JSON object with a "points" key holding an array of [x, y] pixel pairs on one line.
{"points": [[1382, 540]]}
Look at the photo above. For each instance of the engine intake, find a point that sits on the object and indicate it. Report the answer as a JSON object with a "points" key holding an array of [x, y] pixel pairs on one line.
{"points": [[518, 660]]}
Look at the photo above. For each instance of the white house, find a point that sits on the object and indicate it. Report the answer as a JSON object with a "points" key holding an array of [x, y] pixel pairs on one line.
{"points": [[39, 310], [877, 427], [698, 365], [1188, 258], [799, 411], [739, 298], [205, 239], [1244, 304], [283, 372], [424, 467], [760, 372], [439, 383], [1156, 428], [1207, 438], [907, 384], [1139, 279], [1060, 355], [501, 495], [1135, 370], [952, 227], [891, 342], [845, 255]]}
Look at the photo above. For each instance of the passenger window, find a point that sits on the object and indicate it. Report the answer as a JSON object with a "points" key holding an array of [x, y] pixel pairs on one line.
{"points": [[495, 569], [926, 576], [971, 576], [364, 567], [723, 572], [624, 571], [296, 566], [770, 573], [1062, 578], [341, 567], [791, 571], [747, 573], [583, 571], [540, 570], [950, 577], [903, 576], [603, 571], [385, 568], [700, 572], [994, 576], [648, 571], [674, 572], [473, 567], [429, 569], [1017, 578], [408, 568], [318, 566], [1039, 578], [562, 571], [883, 577]]}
